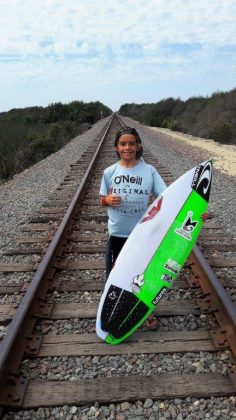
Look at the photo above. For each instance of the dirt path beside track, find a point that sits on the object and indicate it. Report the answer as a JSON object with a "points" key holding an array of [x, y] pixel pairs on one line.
{"points": [[224, 155]]}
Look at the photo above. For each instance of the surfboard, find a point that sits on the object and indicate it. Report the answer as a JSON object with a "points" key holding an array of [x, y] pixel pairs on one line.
{"points": [[153, 255]]}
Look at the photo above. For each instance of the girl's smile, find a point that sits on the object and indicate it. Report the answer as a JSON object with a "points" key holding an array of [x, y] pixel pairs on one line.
{"points": [[127, 148]]}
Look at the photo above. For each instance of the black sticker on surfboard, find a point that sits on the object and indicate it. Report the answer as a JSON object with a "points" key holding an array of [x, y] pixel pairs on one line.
{"points": [[121, 311], [188, 227], [159, 295], [110, 302], [124, 306], [137, 313], [116, 308], [202, 180]]}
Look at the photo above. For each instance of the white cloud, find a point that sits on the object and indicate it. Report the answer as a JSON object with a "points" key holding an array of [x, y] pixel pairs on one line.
{"points": [[129, 40], [94, 22]]}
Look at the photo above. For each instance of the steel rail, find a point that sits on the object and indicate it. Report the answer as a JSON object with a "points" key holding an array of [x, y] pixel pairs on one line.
{"points": [[14, 329], [120, 120], [216, 298]]}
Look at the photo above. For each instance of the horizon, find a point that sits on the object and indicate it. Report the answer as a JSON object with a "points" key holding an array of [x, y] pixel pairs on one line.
{"points": [[124, 52], [143, 103]]}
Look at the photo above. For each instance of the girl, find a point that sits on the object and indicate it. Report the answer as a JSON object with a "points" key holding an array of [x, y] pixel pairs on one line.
{"points": [[125, 189]]}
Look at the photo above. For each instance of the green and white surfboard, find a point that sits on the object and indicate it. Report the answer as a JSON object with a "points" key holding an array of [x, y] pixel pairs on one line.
{"points": [[153, 255]]}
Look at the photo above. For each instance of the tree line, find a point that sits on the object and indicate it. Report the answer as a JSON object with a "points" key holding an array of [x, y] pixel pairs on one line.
{"points": [[28, 135], [208, 117]]}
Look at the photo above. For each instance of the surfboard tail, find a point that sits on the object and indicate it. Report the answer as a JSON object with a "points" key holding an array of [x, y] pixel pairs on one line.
{"points": [[121, 312]]}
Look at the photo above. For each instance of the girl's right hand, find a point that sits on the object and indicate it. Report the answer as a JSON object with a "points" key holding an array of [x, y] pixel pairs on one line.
{"points": [[113, 200]]}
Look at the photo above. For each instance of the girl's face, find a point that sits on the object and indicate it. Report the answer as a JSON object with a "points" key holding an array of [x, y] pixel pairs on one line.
{"points": [[127, 147]]}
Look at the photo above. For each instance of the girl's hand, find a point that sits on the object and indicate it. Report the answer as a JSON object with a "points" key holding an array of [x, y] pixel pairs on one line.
{"points": [[205, 216], [113, 200]]}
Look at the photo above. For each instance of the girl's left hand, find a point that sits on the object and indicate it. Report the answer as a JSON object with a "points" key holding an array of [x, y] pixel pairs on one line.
{"points": [[204, 216]]}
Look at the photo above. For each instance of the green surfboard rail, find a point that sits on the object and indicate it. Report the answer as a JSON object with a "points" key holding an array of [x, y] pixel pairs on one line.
{"points": [[169, 258]]}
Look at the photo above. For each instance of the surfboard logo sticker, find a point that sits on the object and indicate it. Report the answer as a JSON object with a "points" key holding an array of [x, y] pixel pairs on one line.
{"points": [[159, 295], [167, 278], [153, 211], [188, 227], [202, 180], [172, 266], [112, 295], [137, 283]]}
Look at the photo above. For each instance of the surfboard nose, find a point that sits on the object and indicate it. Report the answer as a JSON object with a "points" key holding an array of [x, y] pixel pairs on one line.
{"points": [[202, 179]]}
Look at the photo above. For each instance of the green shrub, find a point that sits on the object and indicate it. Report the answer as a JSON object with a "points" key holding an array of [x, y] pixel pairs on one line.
{"points": [[196, 115], [40, 146], [8, 159], [169, 123], [222, 133], [30, 134]]}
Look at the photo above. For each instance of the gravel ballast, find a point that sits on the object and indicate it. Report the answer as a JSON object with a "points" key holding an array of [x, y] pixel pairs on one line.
{"points": [[187, 408]]}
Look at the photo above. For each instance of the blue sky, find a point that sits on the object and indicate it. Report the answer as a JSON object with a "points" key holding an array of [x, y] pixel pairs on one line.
{"points": [[114, 51]]}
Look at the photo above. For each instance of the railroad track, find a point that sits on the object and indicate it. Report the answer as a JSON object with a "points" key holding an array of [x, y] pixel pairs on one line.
{"points": [[53, 279]]}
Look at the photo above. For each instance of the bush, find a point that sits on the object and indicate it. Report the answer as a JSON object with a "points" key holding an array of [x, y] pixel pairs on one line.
{"points": [[40, 146], [196, 115], [222, 133], [169, 123], [8, 159], [30, 134]]}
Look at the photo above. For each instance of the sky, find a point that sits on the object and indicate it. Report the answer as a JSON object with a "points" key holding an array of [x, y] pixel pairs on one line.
{"points": [[114, 51]]}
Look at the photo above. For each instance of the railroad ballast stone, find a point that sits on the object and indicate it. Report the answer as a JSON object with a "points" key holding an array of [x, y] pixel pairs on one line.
{"points": [[187, 408], [170, 323], [66, 368]]}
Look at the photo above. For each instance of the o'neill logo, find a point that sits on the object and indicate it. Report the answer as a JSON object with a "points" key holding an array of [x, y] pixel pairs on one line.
{"points": [[202, 180], [187, 227], [153, 211]]}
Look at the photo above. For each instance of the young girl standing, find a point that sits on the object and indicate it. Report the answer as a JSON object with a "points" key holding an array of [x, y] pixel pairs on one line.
{"points": [[125, 189]]}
